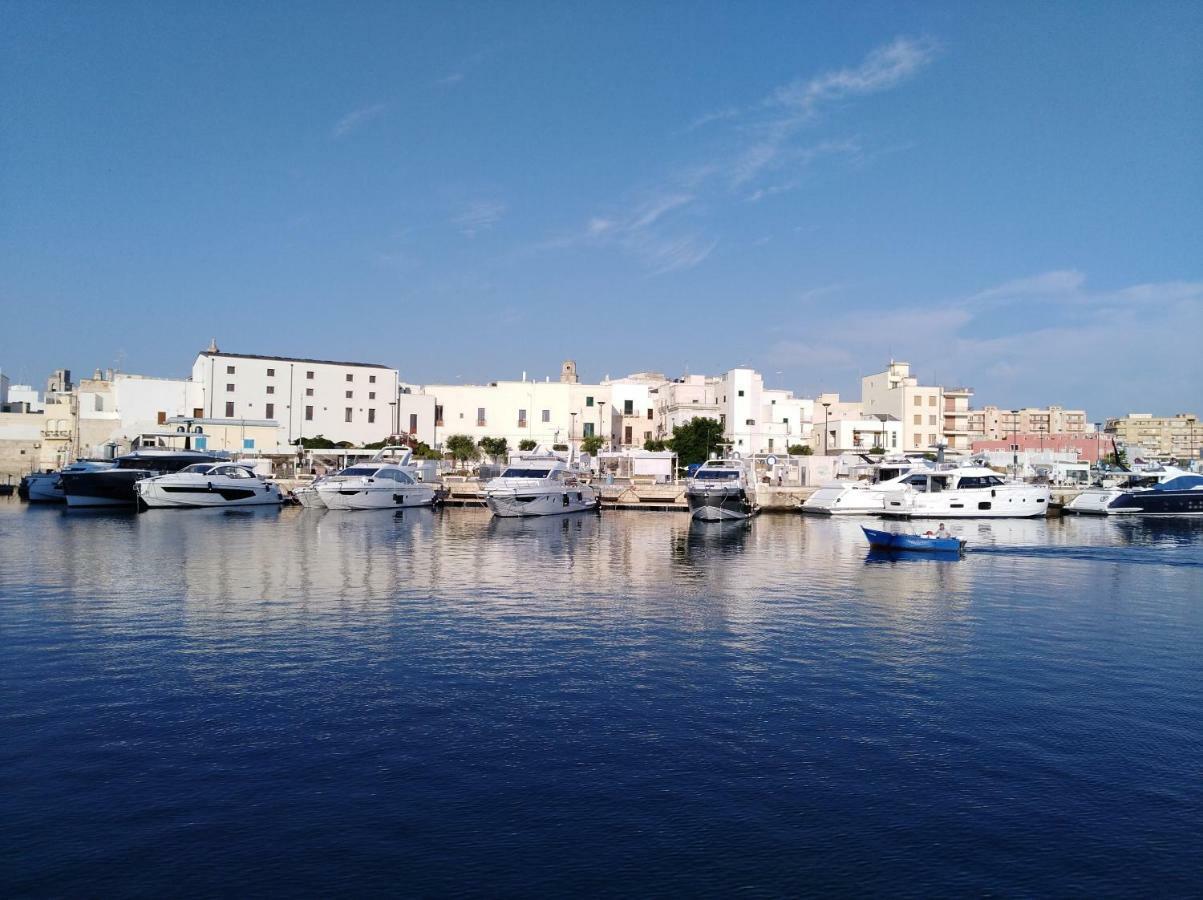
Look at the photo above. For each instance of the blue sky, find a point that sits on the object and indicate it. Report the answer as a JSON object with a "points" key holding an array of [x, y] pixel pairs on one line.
{"points": [[1009, 196]]}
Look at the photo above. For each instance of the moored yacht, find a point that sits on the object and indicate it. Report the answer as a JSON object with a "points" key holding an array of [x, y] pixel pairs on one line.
{"points": [[1179, 495], [861, 498], [115, 486], [1101, 500], [208, 484], [539, 484], [387, 481], [47, 487], [964, 493], [718, 491]]}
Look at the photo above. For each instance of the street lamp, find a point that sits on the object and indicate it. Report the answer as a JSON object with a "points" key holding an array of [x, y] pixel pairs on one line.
{"points": [[1014, 441], [601, 425], [572, 437], [826, 406]]}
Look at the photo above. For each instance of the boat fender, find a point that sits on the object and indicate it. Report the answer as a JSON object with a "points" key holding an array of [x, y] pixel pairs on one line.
{"points": [[993, 492]]}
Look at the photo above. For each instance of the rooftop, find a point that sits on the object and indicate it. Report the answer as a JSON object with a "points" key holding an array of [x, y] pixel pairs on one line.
{"points": [[293, 359]]}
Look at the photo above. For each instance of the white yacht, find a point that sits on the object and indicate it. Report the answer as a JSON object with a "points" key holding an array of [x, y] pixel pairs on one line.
{"points": [[47, 487], [1100, 500], [208, 485], [387, 481], [307, 495], [719, 490], [861, 498], [539, 484], [968, 492]]}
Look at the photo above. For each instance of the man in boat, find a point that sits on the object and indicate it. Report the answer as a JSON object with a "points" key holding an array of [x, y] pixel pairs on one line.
{"points": [[943, 532]]}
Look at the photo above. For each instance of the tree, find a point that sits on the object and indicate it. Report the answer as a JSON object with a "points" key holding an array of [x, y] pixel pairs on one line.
{"points": [[654, 445], [878, 450], [1118, 457], [526, 445], [694, 440], [317, 442], [424, 451], [591, 444], [797, 449], [461, 447], [559, 447], [494, 448]]}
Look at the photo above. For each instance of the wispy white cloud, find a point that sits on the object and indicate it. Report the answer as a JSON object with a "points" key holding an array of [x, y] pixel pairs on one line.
{"points": [[478, 216], [356, 119], [450, 80], [1061, 283]]}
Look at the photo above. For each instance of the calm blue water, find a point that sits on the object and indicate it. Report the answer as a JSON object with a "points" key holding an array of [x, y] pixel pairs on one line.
{"points": [[205, 703]]}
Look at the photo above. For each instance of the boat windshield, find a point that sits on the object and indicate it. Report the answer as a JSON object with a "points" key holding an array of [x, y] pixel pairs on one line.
{"points": [[359, 470], [199, 468], [525, 473], [715, 475]]}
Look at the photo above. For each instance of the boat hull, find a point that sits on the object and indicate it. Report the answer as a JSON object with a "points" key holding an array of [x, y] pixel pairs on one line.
{"points": [[309, 497], [1012, 502], [154, 495], [888, 540], [115, 487], [720, 505], [46, 487], [1095, 502], [518, 504], [1160, 503], [364, 498], [844, 500]]}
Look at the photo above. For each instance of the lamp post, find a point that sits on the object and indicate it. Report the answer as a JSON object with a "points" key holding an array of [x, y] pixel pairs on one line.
{"points": [[572, 437], [826, 407], [396, 416], [601, 425], [1014, 442]]}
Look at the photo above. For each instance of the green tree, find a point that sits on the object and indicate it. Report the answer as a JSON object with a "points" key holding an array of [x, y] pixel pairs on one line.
{"points": [[878, 450], [526, 445], [462, 448], [425, 451], [797, 449], [694, 441], [317, 442], [654, 445], [494, 448], [591, 444], [559, 447]]}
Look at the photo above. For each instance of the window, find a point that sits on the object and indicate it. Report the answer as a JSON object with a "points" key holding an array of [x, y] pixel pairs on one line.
{"points": [[229, 409], [271, 373], [230, 388], [522, 418], [547, 415], [931, 401], [350, 377], [918, 420], [350, 395], [918, 440], [271, 388], [309, 375], [371, 379], [918, 400], [308, 392], [785, 421], [627, 435], [413, 423], [269, 411], [588, 429], [371, 395], [438, 415], [229, 370], [740, 394], [628, 407], [371, 415], [308, 413], [480, 415], [647, 436], [649, 414], [931, 420], [588, 401], [347, 414], [749, 421]]}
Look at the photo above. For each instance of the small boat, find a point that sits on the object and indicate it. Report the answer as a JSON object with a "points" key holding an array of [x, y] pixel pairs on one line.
{"points": [[889, 540]]}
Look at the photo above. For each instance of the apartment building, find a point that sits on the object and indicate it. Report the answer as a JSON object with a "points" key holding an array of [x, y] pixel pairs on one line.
{"points": [[918, 408], [956, 418], [757, 419], [342, 401], [993, 424], [1165, 437]]}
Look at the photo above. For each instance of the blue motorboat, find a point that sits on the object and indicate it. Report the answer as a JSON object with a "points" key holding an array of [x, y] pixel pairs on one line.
{"points": [[889, 540]]}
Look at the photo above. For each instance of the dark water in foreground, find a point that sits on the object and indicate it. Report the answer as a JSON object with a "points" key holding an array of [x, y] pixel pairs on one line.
{"points": [[203, 703]]}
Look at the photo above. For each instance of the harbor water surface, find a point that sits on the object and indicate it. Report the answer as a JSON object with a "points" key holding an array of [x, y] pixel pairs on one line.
{"points": [[315, 703]]}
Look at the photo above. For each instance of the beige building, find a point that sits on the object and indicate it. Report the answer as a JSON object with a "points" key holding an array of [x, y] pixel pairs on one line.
{"points": [[956, 417], [993, 424], [918, 408], [1167, 437]]}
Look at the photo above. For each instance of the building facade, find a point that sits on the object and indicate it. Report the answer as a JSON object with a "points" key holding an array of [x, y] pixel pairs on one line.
{"points": [[918, 408], [342, 401], [1163, 437], [993, 424]]}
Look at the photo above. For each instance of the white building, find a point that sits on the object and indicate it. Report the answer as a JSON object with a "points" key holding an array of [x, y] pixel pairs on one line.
{"points": [[757, 419], [24, 398], [342, 401]]}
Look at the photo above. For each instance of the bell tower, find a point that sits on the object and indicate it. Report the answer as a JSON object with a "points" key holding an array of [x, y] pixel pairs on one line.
{"points": [[568, 372]]}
